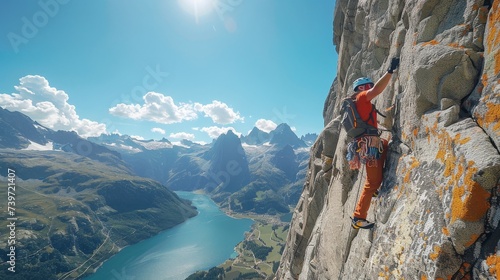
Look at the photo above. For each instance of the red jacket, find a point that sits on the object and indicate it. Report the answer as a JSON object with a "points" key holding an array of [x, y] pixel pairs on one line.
{"points": [[364, 108]]}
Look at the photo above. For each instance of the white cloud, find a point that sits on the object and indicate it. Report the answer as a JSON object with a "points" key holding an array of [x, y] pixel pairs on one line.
{"points": [[216, 131], [157, 108], [219, 112], [48, 106], [265, 125], [158, 130], [182, 135], [162, 109]]}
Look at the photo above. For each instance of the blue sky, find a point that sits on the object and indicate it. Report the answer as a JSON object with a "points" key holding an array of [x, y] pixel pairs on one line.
{"points": [[172, 68]]}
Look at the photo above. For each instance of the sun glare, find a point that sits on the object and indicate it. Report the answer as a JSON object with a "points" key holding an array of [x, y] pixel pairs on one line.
{"points": [[197, 8]]}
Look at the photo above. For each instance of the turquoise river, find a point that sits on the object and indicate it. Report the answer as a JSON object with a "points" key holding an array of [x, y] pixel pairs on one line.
{"points": [[200, 243]]}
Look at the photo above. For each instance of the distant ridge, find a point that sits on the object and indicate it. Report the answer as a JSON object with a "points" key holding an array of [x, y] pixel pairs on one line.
{"points": [[228, 164], [80, 201], [20, 132], [128, 144], [283, 135], [256, 137]]}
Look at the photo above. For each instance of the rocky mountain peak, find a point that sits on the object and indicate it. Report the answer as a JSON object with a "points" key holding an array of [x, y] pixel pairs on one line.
{"points": [[228, 170], [285, 160], [283, 135], [256, 137], [19, 130], [227, 139], [164, 140]]}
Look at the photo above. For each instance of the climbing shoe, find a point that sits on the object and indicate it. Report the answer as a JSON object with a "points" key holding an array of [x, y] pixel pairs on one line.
{"points": [[358, 223], [375, 194]]}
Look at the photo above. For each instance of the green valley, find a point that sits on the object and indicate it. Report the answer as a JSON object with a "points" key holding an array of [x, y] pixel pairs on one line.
{"points": [[258, 255], [72, 212]]}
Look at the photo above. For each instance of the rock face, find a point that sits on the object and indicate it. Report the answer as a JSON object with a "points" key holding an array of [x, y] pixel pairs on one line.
{"points": [[437, 212]]}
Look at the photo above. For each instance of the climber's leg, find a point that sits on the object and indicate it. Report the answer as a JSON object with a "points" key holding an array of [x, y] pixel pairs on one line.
{"points": [[372, 183]]}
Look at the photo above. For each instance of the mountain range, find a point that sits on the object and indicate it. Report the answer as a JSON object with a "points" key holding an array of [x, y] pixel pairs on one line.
{"points": [[261, 172], [84, 199], [78, 202]]}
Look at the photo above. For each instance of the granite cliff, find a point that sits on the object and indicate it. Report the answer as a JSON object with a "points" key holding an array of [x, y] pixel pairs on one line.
{"points": [[437, 213]]}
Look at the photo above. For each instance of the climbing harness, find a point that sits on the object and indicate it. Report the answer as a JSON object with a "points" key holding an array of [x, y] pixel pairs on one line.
{"points": [[364, 150]]}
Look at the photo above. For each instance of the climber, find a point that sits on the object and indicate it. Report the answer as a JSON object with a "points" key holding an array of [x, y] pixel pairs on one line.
{"points": [[368, 150]]}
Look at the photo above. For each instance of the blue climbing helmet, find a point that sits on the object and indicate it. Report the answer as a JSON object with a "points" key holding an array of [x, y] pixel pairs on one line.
{"points": [[361, 81]]}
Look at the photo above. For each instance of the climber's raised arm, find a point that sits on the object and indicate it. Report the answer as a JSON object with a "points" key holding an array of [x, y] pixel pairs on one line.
{"points": [[382, 83]]}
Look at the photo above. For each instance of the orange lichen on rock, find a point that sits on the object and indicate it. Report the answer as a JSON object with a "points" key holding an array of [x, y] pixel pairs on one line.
{"points": [[470, 201], [444, 146], [414, 164], [446, 153], [493, 39], [494, 18], [431, 42], [407, 177], [384, 274], [434, 128], [491, 116], [434, 255], [462, 141], [484, 82], [459, 172], [496, 59], [446, 231], [449, 164], [456, 45], [493, 263]]}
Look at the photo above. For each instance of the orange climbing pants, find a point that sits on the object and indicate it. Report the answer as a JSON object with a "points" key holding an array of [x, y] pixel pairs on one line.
{"points": [[372, 183]]}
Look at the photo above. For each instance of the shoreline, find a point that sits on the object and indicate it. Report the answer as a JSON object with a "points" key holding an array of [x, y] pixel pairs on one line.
{"points": [[256, 219], [237, 215], [120, 248]]}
